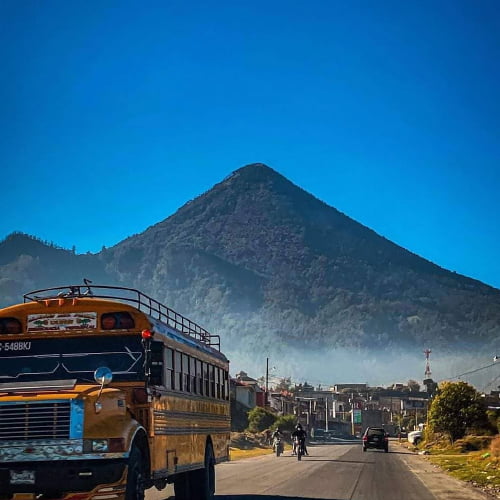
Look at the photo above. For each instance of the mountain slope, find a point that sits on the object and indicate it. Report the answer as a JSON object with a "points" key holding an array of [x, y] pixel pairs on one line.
{"points": [[26, 263], [258, 259], [266, 265]]}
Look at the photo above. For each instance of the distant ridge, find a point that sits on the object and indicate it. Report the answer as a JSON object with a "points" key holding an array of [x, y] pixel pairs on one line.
{"points": [[261, 261], [27, 263]]}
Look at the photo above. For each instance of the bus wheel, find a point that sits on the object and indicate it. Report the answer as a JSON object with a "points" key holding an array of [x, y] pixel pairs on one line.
{"points": [[135, 476], [182, 486], [205, 480]]}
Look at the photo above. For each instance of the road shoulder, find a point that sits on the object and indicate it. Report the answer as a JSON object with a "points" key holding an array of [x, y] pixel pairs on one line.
{"points": [[440, 484]]}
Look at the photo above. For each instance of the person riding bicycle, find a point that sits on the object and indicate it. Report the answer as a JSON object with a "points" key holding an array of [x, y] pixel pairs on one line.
{"points": [[301, 434]]}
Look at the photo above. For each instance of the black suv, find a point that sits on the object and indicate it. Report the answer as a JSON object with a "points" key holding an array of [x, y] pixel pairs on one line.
{"points": [[375, 437]]}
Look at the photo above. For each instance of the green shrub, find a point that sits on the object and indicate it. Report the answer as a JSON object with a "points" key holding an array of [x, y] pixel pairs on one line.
{"points": [[494, 420], [260, 419], [286, 423]]}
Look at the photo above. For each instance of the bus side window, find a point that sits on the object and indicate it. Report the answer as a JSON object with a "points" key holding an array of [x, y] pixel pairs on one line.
{"points": [[212, 381], [169, 369], [192, 374], [206, 378], [199, 377], [225, 387], [178, 371], [185, 373], [217, 382], [221, 384]]}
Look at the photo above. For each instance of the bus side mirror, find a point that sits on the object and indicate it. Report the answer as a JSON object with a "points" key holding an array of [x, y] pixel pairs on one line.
{"points": [[103, 375]]}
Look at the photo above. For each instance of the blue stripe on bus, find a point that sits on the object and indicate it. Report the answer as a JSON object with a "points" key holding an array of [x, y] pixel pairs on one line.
{"points": [[183, 339]]}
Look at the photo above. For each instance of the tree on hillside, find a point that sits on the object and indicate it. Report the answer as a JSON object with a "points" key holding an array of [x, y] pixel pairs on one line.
{"points": [[456, 408]]}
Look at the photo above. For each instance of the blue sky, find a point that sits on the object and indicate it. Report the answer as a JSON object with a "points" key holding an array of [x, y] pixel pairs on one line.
{"points": [[117, 113]]}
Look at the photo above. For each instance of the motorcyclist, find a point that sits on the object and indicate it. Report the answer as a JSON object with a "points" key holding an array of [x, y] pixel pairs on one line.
{"points": [[277, 434], [301, 434], [276, 438]]}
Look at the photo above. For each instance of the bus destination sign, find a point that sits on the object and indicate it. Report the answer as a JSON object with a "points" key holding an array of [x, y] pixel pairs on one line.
{"points": [[62, 321]]}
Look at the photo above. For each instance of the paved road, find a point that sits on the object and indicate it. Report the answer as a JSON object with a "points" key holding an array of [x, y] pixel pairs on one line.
{"points": [[335, 472]]}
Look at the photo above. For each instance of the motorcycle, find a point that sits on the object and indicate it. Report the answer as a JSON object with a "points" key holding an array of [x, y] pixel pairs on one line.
{"points": [[278, 446], [298, 447]]}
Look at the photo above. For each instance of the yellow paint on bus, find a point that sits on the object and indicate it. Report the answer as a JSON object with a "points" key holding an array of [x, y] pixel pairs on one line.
{"points": [[67, 431]]}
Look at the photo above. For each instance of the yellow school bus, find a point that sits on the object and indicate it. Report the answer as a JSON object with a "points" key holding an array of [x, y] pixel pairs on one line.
{"points": [[106, 392]]}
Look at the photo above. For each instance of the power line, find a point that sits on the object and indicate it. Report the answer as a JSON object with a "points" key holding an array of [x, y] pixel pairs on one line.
{"points": [[470, 372], [491, 382]]}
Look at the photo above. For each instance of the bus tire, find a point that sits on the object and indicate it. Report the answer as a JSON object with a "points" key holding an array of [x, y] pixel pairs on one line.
{"points": [[205, 478], [135, 476], [182, 488]]}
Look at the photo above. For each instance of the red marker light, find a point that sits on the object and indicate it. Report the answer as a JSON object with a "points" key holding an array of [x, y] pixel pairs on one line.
{"points": [[147, 334]]}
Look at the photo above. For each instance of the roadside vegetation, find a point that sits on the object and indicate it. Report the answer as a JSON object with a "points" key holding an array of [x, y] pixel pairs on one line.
{"points": [[260, 419], [474, 459], [462, 436], [255, 440], [456, 410], [247, 445]]}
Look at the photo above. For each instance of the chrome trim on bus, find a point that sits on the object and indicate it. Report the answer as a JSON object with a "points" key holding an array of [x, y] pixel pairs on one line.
{"points": [[179, 431], [191, 414], [45, 385], [48, 450], [45, 419], [198, 398]]}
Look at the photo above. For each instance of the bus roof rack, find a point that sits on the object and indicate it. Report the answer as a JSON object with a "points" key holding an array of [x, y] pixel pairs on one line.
{"points": [[132, 296]]}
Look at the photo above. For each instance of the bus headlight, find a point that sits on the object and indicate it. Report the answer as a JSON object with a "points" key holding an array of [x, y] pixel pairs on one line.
{"points": [[110, 445], [100, 445]]}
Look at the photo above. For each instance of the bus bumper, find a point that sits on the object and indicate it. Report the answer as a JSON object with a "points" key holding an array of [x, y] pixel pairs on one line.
{"points": [[65, 480]]}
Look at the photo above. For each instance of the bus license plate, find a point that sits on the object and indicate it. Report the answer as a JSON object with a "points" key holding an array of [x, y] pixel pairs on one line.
{"points": [[22, 477]]}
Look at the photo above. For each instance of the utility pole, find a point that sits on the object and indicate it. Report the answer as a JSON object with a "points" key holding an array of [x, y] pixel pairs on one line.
{"points": [[267, 380], [326, 413]]}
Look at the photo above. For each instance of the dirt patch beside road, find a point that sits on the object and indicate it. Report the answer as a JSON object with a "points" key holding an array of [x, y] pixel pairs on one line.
{"points": [[247, 440], [438, 480]]}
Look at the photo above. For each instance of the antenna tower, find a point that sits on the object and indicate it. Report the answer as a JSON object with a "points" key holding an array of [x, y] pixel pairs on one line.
{"points": [[428, 372]]}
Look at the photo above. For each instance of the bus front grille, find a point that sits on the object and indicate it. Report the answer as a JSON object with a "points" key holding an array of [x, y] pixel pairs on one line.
{"points": [[26, 421]]}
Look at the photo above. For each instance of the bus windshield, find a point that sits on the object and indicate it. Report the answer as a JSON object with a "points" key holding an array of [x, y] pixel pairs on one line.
{"points": [[71, 358]]}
